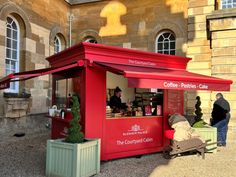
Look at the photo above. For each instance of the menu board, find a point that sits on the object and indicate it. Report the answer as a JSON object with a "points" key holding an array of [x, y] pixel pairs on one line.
{"points": [[175, 101]]}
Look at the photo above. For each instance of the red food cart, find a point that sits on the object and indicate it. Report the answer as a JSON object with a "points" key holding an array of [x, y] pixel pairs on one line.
{"points": [[82, 70]]}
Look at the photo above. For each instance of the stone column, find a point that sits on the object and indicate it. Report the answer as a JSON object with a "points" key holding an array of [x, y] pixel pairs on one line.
{"points": [[199, 50], [222, 32]]}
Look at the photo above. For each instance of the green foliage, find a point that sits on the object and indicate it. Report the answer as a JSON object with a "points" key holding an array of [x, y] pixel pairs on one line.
{"points": [[198, 111], [199, 124], [74, 134]]}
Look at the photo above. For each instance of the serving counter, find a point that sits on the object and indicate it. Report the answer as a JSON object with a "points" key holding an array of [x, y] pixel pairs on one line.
{"points": [[125, 136]]}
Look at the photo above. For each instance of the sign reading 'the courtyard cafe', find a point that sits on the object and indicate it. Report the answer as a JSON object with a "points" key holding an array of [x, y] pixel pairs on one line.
{"points": [[135, 134]]}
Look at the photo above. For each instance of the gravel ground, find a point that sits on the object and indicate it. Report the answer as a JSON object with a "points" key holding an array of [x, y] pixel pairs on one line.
{"points": [[26, 157]]}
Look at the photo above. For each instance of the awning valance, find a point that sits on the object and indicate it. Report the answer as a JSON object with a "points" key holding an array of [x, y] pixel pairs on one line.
{"points": [[178, 79], [13, 77]]}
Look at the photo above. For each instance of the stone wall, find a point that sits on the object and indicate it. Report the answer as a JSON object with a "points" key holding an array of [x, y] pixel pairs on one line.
{"points": [[141, 22], [211, 45], [39, 23], [222, 32], [199, 50]]}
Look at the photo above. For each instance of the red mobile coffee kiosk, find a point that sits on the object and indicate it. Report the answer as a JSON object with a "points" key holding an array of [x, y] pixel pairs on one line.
{"points": [[86, 66]]}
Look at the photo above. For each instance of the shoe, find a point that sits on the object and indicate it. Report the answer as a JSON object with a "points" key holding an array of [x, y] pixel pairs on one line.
{"points": [[221, 145]]}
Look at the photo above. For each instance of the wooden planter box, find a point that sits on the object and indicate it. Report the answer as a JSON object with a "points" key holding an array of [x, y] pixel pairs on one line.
{"points": [[72, 160], [209, 133]]}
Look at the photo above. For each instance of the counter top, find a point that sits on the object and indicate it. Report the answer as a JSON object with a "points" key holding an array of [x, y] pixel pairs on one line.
{"points": [[58, 118], [134, 117]]}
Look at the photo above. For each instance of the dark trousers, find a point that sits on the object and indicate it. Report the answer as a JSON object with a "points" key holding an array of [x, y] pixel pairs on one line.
{"points": [[222, 128]]}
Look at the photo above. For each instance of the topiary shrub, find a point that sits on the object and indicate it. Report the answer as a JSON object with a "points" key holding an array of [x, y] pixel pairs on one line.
{"points": [[199, 122], [198, 111], [74, 133]]}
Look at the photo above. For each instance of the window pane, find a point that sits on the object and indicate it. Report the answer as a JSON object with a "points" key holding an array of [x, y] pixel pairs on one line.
{"points": [[172, 52], [12, 50], [14, 34], [159, 46], [14, 44], [9, 20], [172, 45], [8, 71], [160, 39], [166, 52], [13, 86], [166, 35], [7, 64], [8, 43], [91, 40], [172, 37], [166, 45], [9, 32], [8, 54], [13, 65], [14, 54], [14, 25]]}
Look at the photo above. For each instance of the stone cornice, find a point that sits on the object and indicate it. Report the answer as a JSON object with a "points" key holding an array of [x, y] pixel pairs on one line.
{"points": [[223, 13]]}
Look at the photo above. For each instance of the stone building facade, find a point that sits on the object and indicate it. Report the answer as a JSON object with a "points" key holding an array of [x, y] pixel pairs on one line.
{"points": [[197, 29], [211, 36]]}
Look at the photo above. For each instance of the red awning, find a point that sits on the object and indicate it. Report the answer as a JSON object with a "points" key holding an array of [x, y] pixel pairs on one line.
{"points": [[144, 77], [13, 77]]}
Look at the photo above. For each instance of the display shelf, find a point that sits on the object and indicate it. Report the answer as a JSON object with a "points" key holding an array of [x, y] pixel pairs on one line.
{"points": [[148, 98], [154, 99]]}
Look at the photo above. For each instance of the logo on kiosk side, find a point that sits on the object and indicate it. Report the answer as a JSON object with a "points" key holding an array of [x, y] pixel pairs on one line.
{"points": [[135, 130]]}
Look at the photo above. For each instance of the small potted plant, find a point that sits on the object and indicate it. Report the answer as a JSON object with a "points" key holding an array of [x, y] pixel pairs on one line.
{"points": [[73, 156]]}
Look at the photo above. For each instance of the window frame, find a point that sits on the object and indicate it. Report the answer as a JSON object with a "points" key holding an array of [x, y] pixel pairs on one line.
{"points": [[227, 5], [91, 40], [162, 51], [57, 45], [11, 49]]}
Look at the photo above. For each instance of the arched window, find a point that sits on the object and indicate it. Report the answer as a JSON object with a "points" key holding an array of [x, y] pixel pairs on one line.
{"points": [[57, 44], [165, 43], [12, 50], [91, 40], [228, 4]]}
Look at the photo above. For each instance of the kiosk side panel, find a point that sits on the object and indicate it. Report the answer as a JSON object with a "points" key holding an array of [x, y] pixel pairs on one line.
{"points": [[93, 100]]}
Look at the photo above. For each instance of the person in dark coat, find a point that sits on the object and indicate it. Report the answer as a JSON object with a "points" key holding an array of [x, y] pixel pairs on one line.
{"points": [[115, 101], [220, 118]]}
